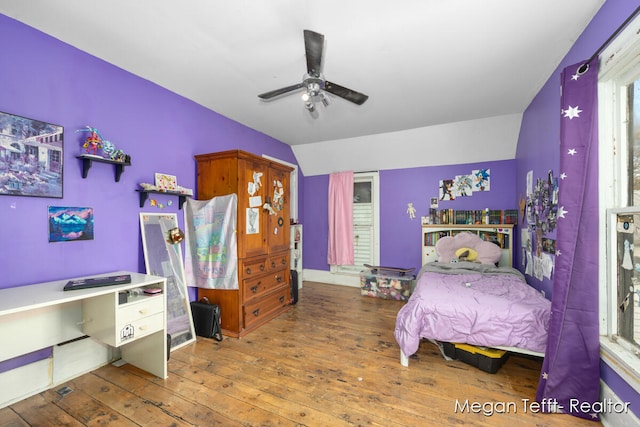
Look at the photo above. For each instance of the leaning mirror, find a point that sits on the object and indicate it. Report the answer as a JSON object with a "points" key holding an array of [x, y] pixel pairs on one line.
{"points": [[163, 257]]}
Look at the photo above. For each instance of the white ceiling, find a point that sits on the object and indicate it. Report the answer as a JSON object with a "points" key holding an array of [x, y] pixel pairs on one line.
{"points": [[421, 62]]}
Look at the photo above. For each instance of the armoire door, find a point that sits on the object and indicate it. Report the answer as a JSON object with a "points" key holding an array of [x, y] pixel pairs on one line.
{"points": [[278, 194], [252, 218]]}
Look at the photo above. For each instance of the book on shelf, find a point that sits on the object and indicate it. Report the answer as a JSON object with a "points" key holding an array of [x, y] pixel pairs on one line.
{"points": [[431, 238], [477, 216]]}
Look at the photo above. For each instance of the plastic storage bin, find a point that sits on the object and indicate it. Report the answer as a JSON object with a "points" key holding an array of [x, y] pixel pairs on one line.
{"points": [[483, 358]]}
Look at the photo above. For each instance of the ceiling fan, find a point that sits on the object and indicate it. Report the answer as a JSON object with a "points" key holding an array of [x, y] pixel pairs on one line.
{"points": [[314, 84]]}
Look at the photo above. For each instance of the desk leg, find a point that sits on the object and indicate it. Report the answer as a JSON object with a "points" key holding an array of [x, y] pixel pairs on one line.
{"points": [[148, 353]]}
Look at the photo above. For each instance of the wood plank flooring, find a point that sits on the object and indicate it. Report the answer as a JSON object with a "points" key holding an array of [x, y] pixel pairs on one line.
{"points": [[331, 360]]}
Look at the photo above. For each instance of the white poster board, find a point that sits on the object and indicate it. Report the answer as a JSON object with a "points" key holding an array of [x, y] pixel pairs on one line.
{"points": [[164, 258]]}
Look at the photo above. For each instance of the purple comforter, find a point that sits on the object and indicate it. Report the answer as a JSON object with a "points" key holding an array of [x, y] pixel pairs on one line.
{"points": [[476, 304]]}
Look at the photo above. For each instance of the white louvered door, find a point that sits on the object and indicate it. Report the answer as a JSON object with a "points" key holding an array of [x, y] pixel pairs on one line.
{"points": [[365, 222]]}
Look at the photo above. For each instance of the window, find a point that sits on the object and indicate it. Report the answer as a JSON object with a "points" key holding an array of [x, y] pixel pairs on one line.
{"points": [[365, 223], [619, 199]]}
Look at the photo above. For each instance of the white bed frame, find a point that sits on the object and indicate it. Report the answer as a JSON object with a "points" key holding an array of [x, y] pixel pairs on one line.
{"points": [[404, 360], [429, 254]]}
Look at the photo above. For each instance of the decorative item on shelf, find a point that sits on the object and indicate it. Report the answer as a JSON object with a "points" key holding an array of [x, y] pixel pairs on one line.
{"points": [[155, 189], [147, 188], [95, 142], [166, 182]]}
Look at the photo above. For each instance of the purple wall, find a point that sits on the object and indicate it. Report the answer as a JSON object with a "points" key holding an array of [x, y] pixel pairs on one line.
{"points": [[540, 133], [47, 80], [400, 236]]}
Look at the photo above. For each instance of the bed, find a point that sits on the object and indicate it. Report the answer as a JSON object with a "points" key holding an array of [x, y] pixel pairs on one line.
{"points": [[463, 297]]}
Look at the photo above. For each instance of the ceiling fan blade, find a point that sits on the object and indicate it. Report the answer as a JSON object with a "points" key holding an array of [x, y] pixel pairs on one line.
{"points": [[346, 93], [281, 91], [313, 46]]}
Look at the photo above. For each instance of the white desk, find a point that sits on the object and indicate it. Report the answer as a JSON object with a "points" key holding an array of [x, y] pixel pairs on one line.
{"points": [[37, 316]]}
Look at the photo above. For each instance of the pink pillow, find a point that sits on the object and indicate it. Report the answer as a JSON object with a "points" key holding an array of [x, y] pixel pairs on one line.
{"points": [[487, 252]]}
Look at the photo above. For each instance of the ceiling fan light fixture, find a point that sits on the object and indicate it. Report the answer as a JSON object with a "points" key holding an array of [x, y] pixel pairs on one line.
{"points": [[313, 89], [326, 100], [313, 82]]}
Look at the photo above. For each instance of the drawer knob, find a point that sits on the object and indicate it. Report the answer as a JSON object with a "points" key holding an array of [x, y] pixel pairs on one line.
{"points": [[143, 311], [281, 298], [143, 327], [279, 279], [254, 289], [273, 264], [256, 312], [248, 270], [261, 267], [284, 261]]}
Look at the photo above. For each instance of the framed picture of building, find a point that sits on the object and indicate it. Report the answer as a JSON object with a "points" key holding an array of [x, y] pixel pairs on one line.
{"points": [[31, 157]]}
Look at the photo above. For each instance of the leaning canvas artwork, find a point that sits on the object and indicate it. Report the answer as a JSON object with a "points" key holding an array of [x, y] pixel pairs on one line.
{"points": [[70, 223], [31, 157]]}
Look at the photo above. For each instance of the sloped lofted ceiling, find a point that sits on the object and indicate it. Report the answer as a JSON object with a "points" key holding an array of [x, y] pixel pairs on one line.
{"points": [[426, 65]]}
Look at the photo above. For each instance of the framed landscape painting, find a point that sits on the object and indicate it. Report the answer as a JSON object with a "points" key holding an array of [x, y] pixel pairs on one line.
{"points": [[68, 223], [31, 157]]}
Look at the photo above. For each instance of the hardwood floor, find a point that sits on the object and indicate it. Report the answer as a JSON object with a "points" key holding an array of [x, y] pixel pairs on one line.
{"points": [[331, 360]]}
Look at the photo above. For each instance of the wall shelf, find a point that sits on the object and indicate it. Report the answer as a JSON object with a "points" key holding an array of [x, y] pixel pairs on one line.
{"points": [[87, 161], [144, 195]]}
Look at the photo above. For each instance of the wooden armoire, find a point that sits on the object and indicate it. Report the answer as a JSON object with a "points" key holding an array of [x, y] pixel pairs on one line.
{"points": [[262, 187]]}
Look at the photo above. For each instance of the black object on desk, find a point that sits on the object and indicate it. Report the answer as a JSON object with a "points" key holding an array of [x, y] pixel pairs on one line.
{"points": [[94, 282]]}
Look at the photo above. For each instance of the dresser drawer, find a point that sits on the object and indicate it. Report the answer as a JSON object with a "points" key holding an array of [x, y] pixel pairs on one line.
{"points": [[276, 262], [280, 277], [133, 311], [257, 286], [262, 308], [252, 267], [129, 331]]}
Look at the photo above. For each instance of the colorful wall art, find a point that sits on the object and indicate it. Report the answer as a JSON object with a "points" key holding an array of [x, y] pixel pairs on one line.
{"points": [[70, 223], [30, 157]]}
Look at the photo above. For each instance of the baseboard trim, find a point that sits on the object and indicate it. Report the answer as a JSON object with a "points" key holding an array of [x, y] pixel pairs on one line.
{"points": [[323, 276], [617, 419], [66, 362], [26, 381]]}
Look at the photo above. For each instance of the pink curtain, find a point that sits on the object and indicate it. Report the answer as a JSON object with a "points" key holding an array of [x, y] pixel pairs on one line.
{"points": [[340, 219]]}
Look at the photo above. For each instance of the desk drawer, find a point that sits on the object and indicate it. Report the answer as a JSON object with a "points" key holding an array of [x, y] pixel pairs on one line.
{"points": [[133, 311], [130, 331]]}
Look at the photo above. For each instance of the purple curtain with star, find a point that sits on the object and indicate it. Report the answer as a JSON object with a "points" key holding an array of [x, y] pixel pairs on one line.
{"points": [[571, 369]]}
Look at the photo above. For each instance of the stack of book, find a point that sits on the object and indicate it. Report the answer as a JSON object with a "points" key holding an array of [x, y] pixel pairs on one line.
{"points": [[481, 216]]}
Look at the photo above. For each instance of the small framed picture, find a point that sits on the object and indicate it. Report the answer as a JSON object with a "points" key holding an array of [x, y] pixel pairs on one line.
{"points": [[68, 223], [166, 182]]}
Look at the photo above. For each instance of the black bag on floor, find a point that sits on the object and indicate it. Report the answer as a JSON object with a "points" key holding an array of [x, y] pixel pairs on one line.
{"points": [[294, 286], [206, 319]]}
